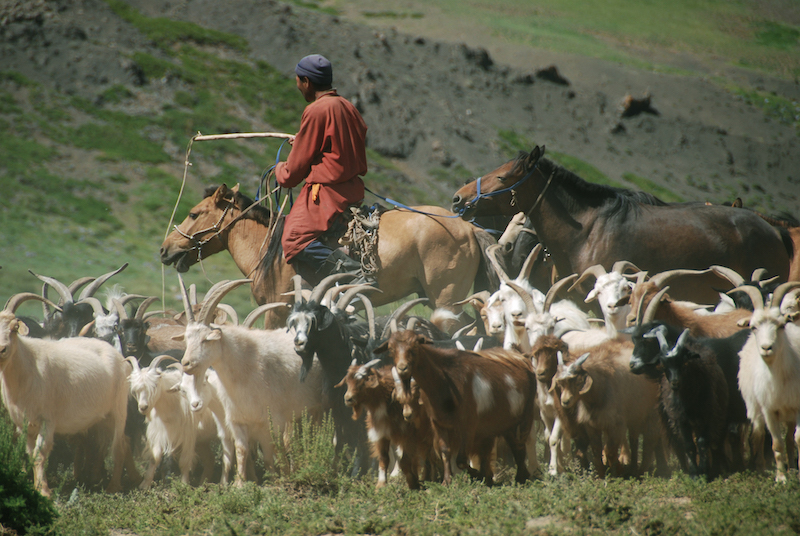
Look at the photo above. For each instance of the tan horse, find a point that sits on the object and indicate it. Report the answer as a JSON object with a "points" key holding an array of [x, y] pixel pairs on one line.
{"points": [[435, 257]]}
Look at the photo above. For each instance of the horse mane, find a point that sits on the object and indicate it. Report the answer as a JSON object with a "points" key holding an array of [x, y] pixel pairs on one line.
{"points": [[574, 192]]}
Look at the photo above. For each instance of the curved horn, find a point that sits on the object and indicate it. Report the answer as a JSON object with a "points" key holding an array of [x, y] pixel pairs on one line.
{"points": [[555, 289], [348, 296], [621, 266], [729, 274], [120, 308], [482, 296], [298, 288], [95, 303], [370, 315], [140, 311], [260, 310], [527, 266], [679, 344], [753, 293], [412, 323], [325, 284], [17, 299], [524, 294], [781, 291], [76, 285], [597, 270], [758, 274], [400, 313], [459, 332], [61, 288], [157, 361], [89, 291], [578, 363], [490, 253], [134, 362], [659, 332], [193, 294], [187, 303], [661, 279], [86, 329], [362, 370], [230, 311], [212, 299], [652, 307], [130, 297]]}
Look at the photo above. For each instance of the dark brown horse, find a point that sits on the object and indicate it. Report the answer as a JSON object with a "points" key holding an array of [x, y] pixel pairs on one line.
{"points": [[436, 257], [582, 224]]}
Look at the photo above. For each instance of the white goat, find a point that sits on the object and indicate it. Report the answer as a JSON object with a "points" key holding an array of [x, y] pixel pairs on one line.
{"points": [[612, 291], [171, 424], [769, 373], [259, 371], [61, 387]]}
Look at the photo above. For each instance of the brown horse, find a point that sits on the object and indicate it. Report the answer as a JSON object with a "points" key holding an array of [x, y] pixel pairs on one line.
{"points": [[436, 257], [582, 224]]}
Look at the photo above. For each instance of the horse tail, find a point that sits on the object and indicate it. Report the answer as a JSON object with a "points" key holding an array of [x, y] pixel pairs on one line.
{"points": [[486, 278]]}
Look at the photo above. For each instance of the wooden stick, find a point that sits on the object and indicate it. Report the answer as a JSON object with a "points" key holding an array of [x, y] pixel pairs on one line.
{"points": [[200, 137]]}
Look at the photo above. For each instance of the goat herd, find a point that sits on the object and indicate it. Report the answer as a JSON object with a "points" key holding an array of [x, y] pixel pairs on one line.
{"points": [[693, 381]]}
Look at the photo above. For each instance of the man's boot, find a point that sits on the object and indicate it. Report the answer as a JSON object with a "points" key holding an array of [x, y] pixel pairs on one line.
{"points": [[339, 263]]}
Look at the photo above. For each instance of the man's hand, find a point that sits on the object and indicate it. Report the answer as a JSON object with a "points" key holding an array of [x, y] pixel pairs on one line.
{"points": [[291, 139]]}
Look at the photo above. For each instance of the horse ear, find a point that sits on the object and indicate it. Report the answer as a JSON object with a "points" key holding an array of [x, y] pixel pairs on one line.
{"points": [[533, 157], [235, 189], [220, 194]]}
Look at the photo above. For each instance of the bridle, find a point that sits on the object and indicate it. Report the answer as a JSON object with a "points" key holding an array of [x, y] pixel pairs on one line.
{"points": [[513, 189]]}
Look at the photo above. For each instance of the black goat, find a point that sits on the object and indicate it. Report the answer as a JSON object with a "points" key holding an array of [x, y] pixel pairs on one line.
{"points": [[699, 403], [329, 333]]}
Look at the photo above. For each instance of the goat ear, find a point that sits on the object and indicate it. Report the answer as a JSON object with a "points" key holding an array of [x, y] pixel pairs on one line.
{"points": [[587, 384], [791, 317], [372, 379], [214, 335], [21, 328], [178, 337], [381, 348], [174, 388], [326, 320], [341, 383], [591, 296], [422, 339], [744, 322]]}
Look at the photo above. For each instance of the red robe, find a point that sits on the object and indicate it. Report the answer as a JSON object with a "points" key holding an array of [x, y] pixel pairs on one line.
{"points": [[329, 153]]}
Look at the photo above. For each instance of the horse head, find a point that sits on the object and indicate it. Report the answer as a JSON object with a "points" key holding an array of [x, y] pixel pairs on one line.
{"points": [[199, 235], [496, 193]]}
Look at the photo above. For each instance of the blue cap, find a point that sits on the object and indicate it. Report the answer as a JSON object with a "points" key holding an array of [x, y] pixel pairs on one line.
{"points": [[316, 68]]}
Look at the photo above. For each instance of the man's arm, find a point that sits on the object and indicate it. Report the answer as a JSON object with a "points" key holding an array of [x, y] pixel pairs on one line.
{"points": [[306, 149]]}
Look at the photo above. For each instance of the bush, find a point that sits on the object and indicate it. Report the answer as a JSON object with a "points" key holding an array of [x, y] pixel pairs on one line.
{"points": [[22, 508]]}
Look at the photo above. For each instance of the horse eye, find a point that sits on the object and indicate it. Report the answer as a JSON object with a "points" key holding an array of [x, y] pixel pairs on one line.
{"points": [[501, 178], [193, 215]]}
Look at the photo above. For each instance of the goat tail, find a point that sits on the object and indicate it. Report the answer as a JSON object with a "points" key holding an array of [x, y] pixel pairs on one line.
{"points": [[486, 278]]}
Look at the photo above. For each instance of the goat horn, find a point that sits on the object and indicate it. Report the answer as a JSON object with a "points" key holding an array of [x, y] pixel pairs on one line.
{"points": [[652, 307], [157, 361], [230, 311], [89, 291], [370, 310], [412, 323], [76, 285], [17, 299], [400, 313], [348, 296], [681, 342], [463, 330], [120, 308], [560, 358], [134, 362], [61, 288], [260, 310], [362, 371], [481, 296], [661, 279], [621, 266], [393, 325], [193, 294], [758, 274], [597, 270], [187, 304], [577, 364], [140, 311], [212, 299], [97, 307], [659, 332], [764, 282], [754, 294], [319, 290], [729, 274], [85, 329], [298, 288], [527, 266], [555, 289], [490, 253], [781, 291], [524, 295]]}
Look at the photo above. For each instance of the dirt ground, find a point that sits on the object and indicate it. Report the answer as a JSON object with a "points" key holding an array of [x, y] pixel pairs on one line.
{"points": [[438, 97]]}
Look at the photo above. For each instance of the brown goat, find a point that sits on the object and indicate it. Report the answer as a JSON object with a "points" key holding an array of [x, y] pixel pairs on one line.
{"points": [[471, 399], [600, 395], [544, 356], [373, 389], [650, 296]]}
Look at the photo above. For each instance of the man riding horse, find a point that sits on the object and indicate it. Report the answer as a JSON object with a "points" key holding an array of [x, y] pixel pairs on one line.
{"points": [[329, 153]]}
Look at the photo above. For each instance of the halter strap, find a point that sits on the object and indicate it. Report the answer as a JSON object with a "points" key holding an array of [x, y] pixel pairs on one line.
{"points": [[480, 195]]}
